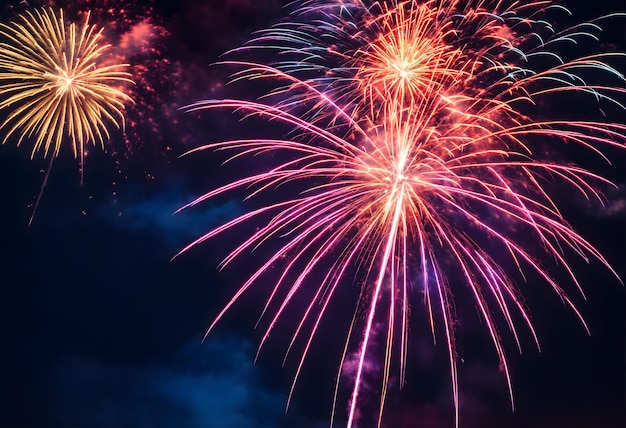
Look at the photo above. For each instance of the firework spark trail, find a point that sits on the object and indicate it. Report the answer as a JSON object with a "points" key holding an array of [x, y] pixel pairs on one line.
{"points": [[416, 138], [53, 86]]}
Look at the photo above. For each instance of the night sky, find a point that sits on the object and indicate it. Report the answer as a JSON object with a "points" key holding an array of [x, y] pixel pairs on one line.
{"points": [[100, 328]]}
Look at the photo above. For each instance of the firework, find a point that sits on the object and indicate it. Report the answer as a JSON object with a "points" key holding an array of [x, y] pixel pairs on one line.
{"points": [[417, 167], [54, 86]]}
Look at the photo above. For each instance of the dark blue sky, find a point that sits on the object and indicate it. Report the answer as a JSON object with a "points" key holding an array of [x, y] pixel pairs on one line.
{"points": [[99, 328]]}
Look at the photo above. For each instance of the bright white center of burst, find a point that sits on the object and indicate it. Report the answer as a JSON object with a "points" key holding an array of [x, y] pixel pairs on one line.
{"points": [[403, 69], [61, 82], [401, 167], [397, 179], [391, 175], [66, 83]]}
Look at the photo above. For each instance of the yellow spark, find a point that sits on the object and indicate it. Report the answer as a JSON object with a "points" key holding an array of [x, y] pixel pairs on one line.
{"points": [[53, 85]]}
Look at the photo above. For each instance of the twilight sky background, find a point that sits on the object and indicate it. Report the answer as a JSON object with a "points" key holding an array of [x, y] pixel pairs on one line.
{"points": [[99, 328]]}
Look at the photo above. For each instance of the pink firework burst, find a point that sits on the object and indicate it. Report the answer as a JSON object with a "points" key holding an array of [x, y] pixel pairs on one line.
{"points": [[418, 168]]}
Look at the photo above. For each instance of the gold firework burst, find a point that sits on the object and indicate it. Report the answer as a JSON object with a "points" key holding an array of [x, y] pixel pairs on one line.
{"points": [[53, 86]]}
